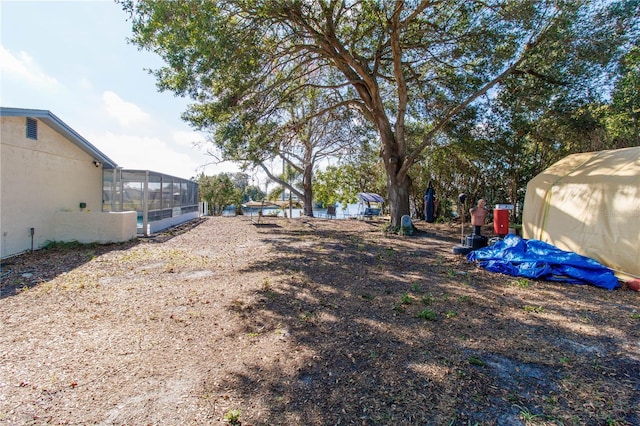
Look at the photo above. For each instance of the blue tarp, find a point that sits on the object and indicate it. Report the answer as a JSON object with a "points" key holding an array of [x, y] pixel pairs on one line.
{"points": [[538, 260]]}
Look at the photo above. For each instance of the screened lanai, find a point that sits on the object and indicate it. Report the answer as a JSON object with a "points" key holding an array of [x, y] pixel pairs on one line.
{"points": [[161, 200]]}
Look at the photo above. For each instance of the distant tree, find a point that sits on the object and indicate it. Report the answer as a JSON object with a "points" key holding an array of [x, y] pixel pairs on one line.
{"points": [[624, 120], [240, 181], [219, 192], [535, 117], [254, 193], [310, 135], [360, 172]]}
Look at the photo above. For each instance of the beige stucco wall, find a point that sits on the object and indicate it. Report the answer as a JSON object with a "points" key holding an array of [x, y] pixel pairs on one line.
{"points": [[95, 227], [39, 178]]}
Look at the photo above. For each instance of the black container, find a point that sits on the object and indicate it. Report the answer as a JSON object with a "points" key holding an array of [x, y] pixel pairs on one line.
{"points": [[476, 241]]}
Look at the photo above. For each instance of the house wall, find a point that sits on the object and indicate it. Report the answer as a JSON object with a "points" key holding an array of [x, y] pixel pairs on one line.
{"points": [[39, 178], [95, 227]]}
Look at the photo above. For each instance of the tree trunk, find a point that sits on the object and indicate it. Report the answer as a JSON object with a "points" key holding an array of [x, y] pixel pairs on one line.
{"points": [[307, 176], [398, 194], [398, 184]]}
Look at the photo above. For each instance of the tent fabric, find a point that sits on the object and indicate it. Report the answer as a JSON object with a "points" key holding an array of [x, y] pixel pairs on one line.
{"points": [[370, 197], [538, 260], [589, 203]]}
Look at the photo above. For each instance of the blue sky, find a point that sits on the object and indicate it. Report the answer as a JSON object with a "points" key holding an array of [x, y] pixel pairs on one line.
{"points": [[73, 59]]}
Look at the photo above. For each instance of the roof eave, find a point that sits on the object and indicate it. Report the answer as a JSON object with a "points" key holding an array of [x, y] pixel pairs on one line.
{"points": [[64, 129]]}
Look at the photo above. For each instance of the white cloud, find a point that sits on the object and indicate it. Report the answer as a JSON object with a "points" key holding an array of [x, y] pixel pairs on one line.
{"points": [[210, 163], [25, 68], [125, 112], [189, 139], [145, 153]]}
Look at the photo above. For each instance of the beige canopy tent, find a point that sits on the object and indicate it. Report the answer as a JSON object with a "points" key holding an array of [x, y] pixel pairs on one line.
{"points": [[589, 203]]}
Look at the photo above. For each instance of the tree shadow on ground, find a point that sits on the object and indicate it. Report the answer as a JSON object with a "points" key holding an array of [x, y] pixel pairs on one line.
{"points": [[397, 331]]}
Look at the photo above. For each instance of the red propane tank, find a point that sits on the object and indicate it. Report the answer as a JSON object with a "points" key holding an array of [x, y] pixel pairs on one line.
{"points": [[500, 222]]}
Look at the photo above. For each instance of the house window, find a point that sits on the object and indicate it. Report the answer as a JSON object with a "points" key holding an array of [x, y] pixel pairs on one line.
{"points": [[32, 128]]}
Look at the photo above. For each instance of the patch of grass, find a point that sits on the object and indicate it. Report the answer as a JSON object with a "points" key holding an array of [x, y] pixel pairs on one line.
{"points": [[463, 299], [474, 360], [390, 229], [427, 300], [399, 308], [521, 282], [406, 299], [635, 315], [451, 314], [367, 296], [428, 315], [49, 245], [535, 309], [526, 415], [233, 417], [266, 284], [416, 287]]}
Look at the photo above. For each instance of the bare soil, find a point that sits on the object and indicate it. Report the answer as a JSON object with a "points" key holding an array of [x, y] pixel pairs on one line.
{"points": [[306, 322]]}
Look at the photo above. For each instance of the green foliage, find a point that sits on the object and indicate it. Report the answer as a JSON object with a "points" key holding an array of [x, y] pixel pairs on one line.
{"points": [[534, 309], [623, 122], [406, 230], [292, 79], [474, 360], [553, 105], [427, 300], [521, 282], [252, 192], [428, 315], [399, 308], [233, 417], [63, 245], [340, 184], [406, 299], [226, 189], [219, 191]]}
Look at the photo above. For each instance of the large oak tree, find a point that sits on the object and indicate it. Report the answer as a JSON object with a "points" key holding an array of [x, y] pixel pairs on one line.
{"points": [[398, 63]]}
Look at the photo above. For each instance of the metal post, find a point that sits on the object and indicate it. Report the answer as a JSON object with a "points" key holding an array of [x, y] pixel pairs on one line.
{"points": [[145, 204], [113, 190]]}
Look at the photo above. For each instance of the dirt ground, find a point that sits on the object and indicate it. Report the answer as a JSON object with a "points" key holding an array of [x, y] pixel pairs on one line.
{"points": [[306, 322]]}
